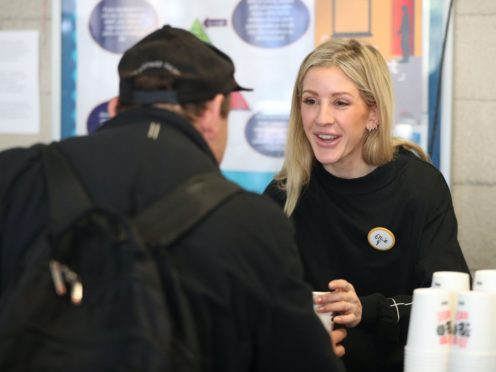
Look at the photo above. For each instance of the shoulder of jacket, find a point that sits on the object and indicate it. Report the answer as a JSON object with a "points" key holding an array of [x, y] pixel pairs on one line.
{"points": [[15, 162], [263, 206]]}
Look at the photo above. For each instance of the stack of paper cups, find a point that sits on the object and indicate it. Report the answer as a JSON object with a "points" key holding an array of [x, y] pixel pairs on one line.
{"points": [[429, 331], [474, 343], [454, 282], [485, 281]]}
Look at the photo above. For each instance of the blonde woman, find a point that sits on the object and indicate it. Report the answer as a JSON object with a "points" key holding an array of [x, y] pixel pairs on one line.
{"points": [[374, 219]]}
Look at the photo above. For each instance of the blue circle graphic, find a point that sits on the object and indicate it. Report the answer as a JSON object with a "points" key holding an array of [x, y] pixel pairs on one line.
{"points": [[267, 134], [271, 24], [116, 25], [97, 117]]}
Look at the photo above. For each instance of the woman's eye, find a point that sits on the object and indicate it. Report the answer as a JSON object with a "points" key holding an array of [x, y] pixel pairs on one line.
{"points": [[309, 101], [340, 103]]}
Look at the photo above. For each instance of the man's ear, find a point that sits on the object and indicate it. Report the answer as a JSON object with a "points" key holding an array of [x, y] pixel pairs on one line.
{"points": [[112, 106], [207, 123]]}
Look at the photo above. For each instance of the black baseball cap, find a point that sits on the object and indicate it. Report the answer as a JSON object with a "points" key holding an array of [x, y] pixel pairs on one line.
{"points": [[198, 70]]}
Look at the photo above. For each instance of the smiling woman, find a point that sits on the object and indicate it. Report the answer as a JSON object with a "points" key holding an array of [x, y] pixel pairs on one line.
{"points": [[374, 219], [335, 118]]}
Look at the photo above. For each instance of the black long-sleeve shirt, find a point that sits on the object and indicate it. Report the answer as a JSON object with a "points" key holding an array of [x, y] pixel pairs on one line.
{"points": [[385, 233]]}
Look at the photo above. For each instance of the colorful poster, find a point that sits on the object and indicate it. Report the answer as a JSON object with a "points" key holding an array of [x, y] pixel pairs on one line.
{"points": [[395, 28], [267, 40]]}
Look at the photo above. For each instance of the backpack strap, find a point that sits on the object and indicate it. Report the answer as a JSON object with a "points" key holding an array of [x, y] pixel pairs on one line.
{"points": [[163, 222], [169, 218], [66, 195]]}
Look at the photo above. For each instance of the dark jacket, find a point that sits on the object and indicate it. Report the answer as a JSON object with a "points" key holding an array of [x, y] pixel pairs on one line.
{"points": [[244, 277]]}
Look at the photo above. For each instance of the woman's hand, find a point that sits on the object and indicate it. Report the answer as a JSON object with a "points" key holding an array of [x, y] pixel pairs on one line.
{"points": [[343, 301], [337, 337]]}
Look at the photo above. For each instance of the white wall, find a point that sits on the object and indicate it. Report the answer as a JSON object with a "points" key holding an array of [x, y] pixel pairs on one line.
{"points": [[474, 130]]}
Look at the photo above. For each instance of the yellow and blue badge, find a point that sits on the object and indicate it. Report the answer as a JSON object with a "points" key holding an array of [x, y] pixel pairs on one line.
{"points": [[381, 239]]}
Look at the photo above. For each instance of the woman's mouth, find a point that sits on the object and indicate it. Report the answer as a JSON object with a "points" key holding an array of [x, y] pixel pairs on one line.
{"points": [[327, 139]]}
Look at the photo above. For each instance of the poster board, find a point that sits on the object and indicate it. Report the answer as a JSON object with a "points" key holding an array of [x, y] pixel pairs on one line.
{"points": [[267, 40]]}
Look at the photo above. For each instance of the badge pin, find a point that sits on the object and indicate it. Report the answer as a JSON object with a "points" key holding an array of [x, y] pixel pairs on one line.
{"points": [[381, 239]]}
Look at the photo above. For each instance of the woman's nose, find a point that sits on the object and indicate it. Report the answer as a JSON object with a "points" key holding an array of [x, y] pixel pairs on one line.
{"points": [[325, 115]]}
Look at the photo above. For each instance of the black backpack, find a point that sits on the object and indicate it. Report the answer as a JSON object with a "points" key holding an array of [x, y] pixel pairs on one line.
{"points": [[92, 296]]}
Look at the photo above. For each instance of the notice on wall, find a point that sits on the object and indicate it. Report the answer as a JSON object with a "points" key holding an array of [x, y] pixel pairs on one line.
{"points": [[19, 82]]}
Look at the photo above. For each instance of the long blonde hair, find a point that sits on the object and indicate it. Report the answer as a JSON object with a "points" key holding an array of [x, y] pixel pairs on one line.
{"points": [[365, 66]]}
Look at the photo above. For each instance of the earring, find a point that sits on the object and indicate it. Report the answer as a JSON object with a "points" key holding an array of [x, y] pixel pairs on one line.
{"points": [[371, 128]]}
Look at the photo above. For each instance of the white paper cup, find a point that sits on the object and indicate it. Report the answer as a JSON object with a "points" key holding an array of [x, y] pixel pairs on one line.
{"points": [[475, 323], [485, 281], [325, 318], [430, 320], [453, 281], [463, 361], [425, 361]]}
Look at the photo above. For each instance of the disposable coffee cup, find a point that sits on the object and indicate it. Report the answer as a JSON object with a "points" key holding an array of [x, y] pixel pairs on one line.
{"points": [[425, 360], [485, 281], [430, 320], [453, 281], [325, 318], [463, 361], [475, 323]]}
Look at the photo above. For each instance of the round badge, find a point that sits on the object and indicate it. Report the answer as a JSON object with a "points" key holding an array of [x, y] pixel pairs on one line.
{"points": [[381, 239]]}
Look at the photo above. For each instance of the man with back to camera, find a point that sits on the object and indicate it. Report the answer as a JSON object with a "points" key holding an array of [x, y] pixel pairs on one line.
{"points": [[245, 284]]}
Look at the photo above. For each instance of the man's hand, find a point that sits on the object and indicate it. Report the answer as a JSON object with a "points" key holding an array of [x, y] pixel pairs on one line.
{"points": [[337, 336]]}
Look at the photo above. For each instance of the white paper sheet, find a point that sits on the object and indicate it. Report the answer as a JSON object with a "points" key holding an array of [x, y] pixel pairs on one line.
{"points": [[19, 82]]}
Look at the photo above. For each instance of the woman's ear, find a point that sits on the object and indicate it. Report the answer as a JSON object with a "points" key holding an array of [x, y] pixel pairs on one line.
{"points": [[112, 106], [373, 119]]}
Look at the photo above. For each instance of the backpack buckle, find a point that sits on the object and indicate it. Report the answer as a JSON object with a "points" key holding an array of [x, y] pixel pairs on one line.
{"points": [[62, 274]]}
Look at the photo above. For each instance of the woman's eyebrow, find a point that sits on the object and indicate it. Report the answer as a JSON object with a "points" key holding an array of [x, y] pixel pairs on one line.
{"points": [[332, 94]]}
